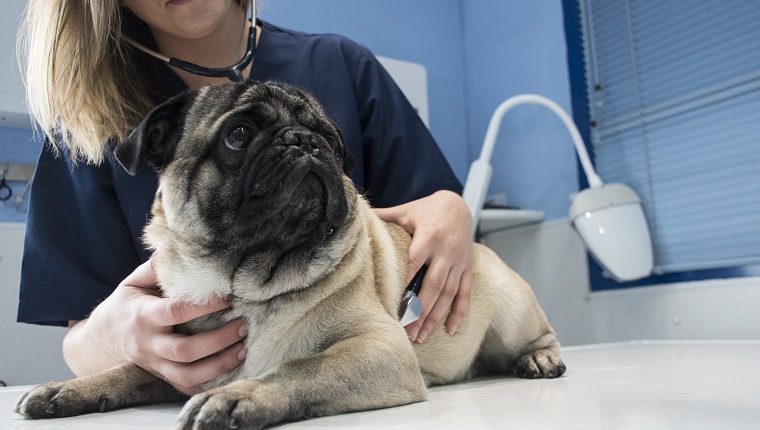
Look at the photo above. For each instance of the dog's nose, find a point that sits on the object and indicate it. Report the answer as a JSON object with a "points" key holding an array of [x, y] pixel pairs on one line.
{"points": [[301, 138]]}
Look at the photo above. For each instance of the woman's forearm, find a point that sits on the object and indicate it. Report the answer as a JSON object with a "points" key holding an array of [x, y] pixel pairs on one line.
{"points": [[84, 353]]}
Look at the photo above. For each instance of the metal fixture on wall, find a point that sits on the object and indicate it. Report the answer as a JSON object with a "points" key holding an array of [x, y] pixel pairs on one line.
{"points": [[10, 172]]}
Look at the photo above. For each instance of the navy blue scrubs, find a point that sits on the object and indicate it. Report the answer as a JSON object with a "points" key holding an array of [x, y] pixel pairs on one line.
{"points": [[85, 222]]}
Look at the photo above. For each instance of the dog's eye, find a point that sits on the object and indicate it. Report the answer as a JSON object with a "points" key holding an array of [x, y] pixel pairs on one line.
{"points": [[238, 138], [332, 141]]}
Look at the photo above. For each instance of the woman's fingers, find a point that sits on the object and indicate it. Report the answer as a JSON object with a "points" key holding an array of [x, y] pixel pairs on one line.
{"points": [[187, 361], [441, 228], [435, 300], [167, 312], [461, 304], [187, 349], [445, 290], [187, 376]]}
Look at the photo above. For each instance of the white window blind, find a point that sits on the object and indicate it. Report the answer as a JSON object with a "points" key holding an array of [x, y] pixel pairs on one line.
{"points": [[674, 105]]}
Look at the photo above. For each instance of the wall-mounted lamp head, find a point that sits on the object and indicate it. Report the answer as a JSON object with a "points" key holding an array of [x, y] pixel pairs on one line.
{"points": [[611, 223], [608, 218]]}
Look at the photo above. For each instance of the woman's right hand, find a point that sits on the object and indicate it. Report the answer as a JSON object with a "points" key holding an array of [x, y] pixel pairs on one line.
{"points": [[136, 324]]}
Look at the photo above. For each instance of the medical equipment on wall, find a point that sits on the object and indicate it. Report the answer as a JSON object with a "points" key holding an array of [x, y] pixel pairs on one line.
{"points": [[15, 172], [233, 73], [5, 190], [607, 217]]}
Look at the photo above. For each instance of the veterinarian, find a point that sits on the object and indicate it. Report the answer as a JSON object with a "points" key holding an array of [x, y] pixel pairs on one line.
{"points": [[95, 69]]}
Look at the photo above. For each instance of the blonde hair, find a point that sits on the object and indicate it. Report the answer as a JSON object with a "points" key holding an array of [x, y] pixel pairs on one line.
{"points": [[82, 80]]}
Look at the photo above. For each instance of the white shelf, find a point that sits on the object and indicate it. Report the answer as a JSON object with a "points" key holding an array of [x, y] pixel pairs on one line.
{"points": [[493, 220]]}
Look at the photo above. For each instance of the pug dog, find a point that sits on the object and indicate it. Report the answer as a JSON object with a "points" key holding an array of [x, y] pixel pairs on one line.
{"points": [[254, 206]]}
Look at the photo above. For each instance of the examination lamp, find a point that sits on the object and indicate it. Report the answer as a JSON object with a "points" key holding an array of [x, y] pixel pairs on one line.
{"points": [[608, 218]]}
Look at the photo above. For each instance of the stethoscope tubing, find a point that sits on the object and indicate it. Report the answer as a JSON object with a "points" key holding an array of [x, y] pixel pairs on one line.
{"points": [[233, 73]]}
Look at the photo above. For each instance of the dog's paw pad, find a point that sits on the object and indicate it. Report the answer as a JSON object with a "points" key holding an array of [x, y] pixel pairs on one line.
{"points": [[540, 364], [228, 406], [40, 402], [58, 400]]}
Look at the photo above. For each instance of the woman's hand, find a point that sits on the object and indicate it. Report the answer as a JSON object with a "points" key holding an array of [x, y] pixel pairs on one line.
{"points": [[136, 324], [441, 225]]}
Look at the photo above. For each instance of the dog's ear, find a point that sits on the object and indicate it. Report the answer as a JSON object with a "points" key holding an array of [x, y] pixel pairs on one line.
{"points": [[155, 138], [342, 152]]}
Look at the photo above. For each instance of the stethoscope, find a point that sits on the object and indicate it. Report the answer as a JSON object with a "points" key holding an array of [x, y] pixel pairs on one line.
{"points": [[233, 73]]}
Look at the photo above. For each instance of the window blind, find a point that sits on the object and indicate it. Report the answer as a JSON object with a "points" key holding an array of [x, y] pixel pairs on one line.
{"points": [[674, 104]]}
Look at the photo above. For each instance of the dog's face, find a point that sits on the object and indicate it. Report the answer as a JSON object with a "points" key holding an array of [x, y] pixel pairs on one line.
{"points": [[245, 169]]}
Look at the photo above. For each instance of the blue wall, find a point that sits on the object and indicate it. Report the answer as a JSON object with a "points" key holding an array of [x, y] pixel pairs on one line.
{"points": [[476, 54], [428, 32], [514, 47]]}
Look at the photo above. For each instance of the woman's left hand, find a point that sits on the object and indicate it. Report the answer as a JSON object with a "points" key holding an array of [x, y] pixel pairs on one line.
{"points": [[441, 225]]}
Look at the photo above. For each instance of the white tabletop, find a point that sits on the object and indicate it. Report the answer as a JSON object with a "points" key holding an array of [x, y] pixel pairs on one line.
{"points": [[633, 385]]}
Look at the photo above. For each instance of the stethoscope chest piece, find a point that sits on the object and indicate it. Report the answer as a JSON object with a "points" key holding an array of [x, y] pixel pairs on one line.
{"points": [[410, 309]]}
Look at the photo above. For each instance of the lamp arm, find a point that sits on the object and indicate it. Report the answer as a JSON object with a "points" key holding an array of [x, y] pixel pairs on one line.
{"points": [[479, 175], [612, 205], [498, 115]]}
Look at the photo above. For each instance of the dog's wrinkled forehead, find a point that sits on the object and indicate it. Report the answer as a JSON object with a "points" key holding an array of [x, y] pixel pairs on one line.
{"points": [[187, 126], [268, 103]]}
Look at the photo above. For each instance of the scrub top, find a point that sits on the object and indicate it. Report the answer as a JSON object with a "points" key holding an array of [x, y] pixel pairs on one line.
{"points": [[85, 222]]}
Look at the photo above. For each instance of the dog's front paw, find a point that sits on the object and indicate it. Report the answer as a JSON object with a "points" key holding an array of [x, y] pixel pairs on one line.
{"points": [[246, 404], [56, 400], [542, 363]]}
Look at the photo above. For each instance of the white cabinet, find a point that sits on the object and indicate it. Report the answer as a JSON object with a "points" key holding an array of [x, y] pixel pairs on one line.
{"points": [[411, 78], [30, 354], [13, 112]]}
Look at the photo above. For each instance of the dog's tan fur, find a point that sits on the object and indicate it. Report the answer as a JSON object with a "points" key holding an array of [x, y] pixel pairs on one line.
{"points": [[323, 339]]}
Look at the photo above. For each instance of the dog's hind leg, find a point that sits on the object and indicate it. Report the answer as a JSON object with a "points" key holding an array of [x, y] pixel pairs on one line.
{"points": [[523, 344], [537, 359], [119, 387], [542, 362], [519, 338]]}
